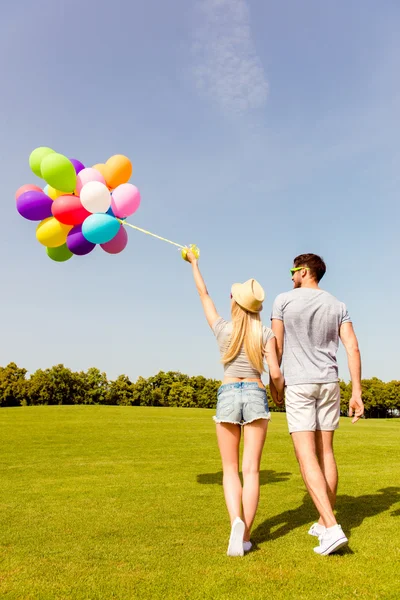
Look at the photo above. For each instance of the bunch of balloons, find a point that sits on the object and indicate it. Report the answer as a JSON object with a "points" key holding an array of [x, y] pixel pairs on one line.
{"points": [[79, 207]]}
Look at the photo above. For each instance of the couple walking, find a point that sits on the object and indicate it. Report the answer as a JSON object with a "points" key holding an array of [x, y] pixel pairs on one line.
{"points": [[307, 323]]}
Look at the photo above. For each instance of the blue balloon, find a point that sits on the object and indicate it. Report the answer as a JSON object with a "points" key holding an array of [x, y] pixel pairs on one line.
{"points": [[100, 228], [111, 212]]}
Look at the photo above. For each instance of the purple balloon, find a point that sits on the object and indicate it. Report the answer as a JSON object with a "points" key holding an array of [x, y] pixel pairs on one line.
{"points": [[34, 205], [77, 243], [77, 165], [118, 243]]}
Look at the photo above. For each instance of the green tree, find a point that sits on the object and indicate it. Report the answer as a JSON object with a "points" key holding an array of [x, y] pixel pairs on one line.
{"points": [[345, 395], [155, 390], [58, 385], [141, 393], [206, 396], [120, 391], [392, 402], [13, 385], [158, 398], [373, 395], [182, 394], [97, 385]]}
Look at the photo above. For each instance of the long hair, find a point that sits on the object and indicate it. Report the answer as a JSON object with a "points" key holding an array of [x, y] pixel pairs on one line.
{"points": [[247, 331]]}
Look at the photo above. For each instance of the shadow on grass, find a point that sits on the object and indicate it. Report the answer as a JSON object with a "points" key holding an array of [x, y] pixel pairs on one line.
{"points": [[267, 476], [350, 513]]}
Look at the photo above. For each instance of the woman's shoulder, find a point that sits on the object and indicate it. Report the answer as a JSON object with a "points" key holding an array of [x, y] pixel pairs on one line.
{"points": [[268, 334], [221, 326]]}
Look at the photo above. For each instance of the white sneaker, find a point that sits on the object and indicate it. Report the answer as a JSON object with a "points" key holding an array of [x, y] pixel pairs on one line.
{"points": [[247, 546], [332, 539], [316, 530], [235, 547]]}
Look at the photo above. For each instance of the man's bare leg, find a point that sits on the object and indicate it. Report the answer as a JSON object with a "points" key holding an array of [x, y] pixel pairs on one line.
{"points": [[326, 459], [313, 476]]}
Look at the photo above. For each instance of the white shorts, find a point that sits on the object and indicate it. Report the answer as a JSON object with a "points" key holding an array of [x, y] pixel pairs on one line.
{"points": [[313, 406]]}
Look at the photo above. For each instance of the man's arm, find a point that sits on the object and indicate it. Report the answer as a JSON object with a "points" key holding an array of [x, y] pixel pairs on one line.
{"points": [[279, 330], [350, 343]]}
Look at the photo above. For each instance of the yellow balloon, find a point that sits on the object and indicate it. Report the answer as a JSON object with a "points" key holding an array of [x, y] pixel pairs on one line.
{"points": [[51, 233], [118, 170], [53, 193]]}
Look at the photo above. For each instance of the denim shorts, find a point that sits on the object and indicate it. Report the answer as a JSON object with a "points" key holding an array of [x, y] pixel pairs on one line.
{"points": [[241, 403]]}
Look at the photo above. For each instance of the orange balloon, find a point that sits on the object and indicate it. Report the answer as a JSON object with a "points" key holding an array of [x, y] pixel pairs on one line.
{"points": [[27, 188], [101, 168], [118, 170]]}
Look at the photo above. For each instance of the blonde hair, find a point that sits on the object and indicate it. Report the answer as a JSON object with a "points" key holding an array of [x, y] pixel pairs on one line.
{"points": [[247, 331]]}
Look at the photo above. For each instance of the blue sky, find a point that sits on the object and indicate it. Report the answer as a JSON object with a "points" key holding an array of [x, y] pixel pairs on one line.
{"points": [[257, 130]]}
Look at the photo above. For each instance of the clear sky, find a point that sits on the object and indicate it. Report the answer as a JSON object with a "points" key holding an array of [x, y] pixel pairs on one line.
{"points": [[258, 130]]}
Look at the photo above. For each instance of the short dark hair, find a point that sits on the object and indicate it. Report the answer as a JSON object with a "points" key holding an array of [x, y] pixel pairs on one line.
{"points": [[314, 262]]}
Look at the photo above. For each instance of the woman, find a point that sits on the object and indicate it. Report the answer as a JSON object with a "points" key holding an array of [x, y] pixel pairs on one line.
{"points": [[242, 399]]}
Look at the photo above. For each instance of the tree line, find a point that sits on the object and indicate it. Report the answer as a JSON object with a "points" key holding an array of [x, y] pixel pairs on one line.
{"points": [[60, 385]]}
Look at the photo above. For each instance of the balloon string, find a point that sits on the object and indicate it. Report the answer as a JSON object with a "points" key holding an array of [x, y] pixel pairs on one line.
{"points": [[149, 233]]}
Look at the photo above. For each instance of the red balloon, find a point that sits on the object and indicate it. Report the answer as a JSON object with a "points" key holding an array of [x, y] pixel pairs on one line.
{"points": [[68, 209], [29, 187]]}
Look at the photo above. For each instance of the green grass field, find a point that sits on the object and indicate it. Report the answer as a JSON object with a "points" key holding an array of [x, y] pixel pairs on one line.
{"points": [[126, 502]]}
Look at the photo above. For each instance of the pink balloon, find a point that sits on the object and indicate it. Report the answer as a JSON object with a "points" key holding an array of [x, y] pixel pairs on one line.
{"points": [[118, 243], [29, 187], [125, 200], [86, 176]]}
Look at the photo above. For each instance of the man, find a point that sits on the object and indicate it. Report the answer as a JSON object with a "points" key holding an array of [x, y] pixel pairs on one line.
{"points": [[307, 323]]}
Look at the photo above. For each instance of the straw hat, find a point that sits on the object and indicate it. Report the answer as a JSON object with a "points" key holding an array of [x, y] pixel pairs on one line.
{"points": [[249, 295]]}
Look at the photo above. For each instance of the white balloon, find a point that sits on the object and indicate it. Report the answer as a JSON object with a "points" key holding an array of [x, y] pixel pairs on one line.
{"points": [[95, 197]]}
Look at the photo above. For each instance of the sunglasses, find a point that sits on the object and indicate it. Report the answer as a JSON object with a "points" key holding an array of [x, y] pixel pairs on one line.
{"points": [[293, 271]]}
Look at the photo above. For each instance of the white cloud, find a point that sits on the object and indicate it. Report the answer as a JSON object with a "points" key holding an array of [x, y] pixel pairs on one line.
{"points": [[227, 67]]}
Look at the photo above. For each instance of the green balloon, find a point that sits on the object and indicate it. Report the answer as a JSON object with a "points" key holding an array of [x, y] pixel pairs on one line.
{"points": [[59, 172], [60, 254], [36, 157]]}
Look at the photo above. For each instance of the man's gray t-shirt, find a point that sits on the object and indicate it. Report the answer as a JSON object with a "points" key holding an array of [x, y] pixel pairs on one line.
{"points": [[312, 319]]}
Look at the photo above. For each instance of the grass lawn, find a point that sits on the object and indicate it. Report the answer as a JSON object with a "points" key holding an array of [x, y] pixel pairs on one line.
{"points": [[126, 502]]}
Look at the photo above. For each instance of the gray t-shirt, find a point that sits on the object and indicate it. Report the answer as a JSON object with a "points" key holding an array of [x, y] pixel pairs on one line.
{"points": [[312, 319], [240, 366]]}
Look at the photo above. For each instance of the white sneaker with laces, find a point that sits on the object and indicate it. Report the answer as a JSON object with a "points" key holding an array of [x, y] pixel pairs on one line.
{"points": [[316, 530], [235, 547], [331, 540], [247, 546]]}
